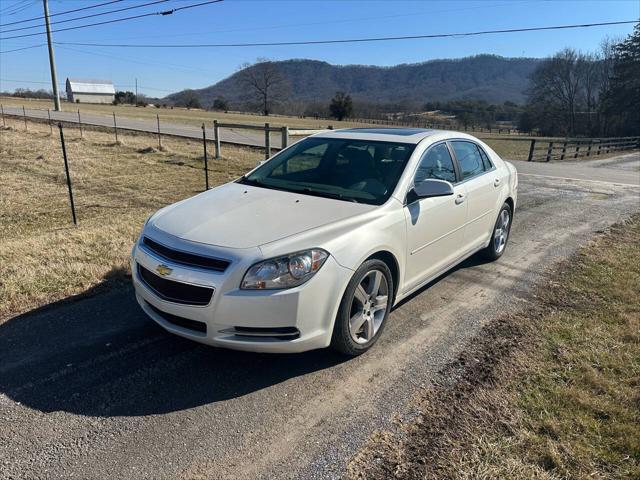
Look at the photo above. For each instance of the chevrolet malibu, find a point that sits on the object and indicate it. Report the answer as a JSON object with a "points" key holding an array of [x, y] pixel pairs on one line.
{"points": [[313, 247]]}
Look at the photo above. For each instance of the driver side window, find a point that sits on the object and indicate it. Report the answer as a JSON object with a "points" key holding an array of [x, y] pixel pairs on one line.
{"points": [[436, 163]]}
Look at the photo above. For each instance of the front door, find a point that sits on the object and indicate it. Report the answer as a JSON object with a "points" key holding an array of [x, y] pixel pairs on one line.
{"points": [[435, 226]]}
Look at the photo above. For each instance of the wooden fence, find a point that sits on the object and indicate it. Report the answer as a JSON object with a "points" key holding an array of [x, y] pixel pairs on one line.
{"points": [[267, 129], [547, 150]]}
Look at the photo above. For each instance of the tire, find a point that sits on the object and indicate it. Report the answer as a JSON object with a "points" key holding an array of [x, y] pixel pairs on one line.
{"points": [[499, 234], [364, 309]]}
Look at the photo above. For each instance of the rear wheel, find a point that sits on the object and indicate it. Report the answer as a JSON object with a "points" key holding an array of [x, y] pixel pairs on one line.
{"points": [[500, 234], [364, 308]]}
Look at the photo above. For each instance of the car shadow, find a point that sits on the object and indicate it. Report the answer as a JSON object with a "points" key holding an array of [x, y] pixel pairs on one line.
{"points": [[473, 261], [101, 356]]}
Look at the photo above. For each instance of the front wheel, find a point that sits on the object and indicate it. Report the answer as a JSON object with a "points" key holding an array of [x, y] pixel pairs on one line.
{"points": [[364, 308], [500, 234]]}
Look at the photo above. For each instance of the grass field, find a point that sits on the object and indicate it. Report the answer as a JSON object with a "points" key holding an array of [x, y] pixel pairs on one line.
{"points": [[552, 392], [508, 146], [43, 257]]}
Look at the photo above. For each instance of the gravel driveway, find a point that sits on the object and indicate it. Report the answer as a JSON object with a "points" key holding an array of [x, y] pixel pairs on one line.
{"points": [[92, 389]]}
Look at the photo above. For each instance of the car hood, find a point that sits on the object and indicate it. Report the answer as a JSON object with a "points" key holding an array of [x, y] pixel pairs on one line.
{"points": [[242, 216]]}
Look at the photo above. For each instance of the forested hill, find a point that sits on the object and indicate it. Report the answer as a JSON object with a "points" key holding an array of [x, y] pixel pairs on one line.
{"points": [[484, 77]]}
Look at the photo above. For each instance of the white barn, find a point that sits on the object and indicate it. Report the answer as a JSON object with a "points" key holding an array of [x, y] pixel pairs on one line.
{"points": [[83, 90]]}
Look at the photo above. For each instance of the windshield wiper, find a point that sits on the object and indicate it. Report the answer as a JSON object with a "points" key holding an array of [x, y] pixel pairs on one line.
{"points": [[319, 193], [247, 181]]}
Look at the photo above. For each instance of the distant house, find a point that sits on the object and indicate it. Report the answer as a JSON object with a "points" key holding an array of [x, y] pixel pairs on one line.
{"points": [[83, 90]]}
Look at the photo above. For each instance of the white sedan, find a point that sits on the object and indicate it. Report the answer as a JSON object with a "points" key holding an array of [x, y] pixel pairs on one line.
{"points": [[313, 247]]}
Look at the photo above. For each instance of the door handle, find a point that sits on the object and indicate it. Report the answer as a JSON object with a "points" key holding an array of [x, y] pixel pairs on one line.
{"points": [[496, 182], [460, 198]]}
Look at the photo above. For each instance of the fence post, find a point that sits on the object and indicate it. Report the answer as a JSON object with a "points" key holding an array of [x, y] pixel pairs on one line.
{"points": [[4, 123], [24, 114], [206, 164], [267, 141], [285, 137], [531, 150], [66, 169], [599, 147], [564, 151], [50, 124], [216, 137], [115, 126], [577, 154], [549, 151], [80, 123], [589, 147], [159, 139]]}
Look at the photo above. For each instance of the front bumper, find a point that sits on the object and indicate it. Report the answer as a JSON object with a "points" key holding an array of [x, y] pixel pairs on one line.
{"points": [[310, 308]]}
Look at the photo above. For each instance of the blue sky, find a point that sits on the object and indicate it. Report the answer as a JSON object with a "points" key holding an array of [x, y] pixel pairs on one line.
{"points": [[160, 71]]}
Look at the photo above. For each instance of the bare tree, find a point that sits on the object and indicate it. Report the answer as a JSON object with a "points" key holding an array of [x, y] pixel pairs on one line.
{"points": [[589, 68], [556, 86], [607, 55], [265, 81]]}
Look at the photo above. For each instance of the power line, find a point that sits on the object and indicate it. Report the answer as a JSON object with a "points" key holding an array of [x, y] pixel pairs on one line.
{"points": [[164, 65], [165, 12], [23, 48], [89, 16], [119, 85], [18, 7], [61, 13], [24, 81], [329, 22], [348, 40]]}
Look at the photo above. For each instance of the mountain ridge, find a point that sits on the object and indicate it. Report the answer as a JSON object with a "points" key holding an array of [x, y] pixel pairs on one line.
{"points": [[491, 78]]}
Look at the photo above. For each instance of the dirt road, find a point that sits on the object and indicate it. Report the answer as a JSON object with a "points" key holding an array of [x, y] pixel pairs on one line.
{"points": [[92, 389]]}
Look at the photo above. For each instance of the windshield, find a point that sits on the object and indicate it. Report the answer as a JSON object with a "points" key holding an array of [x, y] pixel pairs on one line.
{"points": [[351, 170]]}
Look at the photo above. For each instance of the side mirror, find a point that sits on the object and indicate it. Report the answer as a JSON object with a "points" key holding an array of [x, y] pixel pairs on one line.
{"points": [[429, 188]]}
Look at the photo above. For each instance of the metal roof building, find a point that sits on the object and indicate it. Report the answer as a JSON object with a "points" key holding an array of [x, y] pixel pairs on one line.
{"points": [[84, 90]]}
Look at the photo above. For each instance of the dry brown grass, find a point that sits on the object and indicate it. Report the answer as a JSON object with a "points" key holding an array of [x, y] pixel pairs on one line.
{"points": [[43, 257], [551, 392]]}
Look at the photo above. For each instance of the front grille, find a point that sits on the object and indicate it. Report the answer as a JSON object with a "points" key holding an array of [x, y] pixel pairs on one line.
{"points": [[185, 258], [176, 292], [180, 321]]}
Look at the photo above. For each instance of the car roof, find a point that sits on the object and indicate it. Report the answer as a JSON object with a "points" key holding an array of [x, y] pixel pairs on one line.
{"points": [[400, 135]]}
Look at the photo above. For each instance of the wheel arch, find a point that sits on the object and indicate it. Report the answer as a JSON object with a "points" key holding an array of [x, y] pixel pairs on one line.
{"points": [[509, 201], [392, 262]]}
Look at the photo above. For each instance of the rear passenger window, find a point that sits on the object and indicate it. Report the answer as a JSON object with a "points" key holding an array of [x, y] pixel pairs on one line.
{"points": [[485, 159], [469, 159], [436, 163]]}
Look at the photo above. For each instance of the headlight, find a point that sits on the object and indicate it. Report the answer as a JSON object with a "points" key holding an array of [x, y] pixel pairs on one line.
{"points": [[284, 272]]}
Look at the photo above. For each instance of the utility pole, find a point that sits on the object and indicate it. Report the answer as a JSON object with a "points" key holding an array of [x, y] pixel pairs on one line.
{"points": [[52, 61], [136, 92]]}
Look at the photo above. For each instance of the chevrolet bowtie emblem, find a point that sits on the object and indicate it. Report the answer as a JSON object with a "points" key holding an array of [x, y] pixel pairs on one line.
{"points": [[163, 270]]}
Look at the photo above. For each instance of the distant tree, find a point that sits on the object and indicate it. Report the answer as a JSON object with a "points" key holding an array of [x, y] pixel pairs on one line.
{"points": [[265, 82], [28, 93], [142, 101], [191, 100], [621, 99], [220, 104], [124, 98], [564, 94], [465, 118], [341, 106]]}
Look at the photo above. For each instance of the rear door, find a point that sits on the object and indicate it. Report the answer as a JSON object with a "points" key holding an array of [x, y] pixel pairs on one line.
{"points": [[482, 193], [435, 226]]}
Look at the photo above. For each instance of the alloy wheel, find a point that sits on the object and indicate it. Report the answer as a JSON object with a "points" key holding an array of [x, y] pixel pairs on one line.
{"points": [[368, 307], [501, 232]]}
